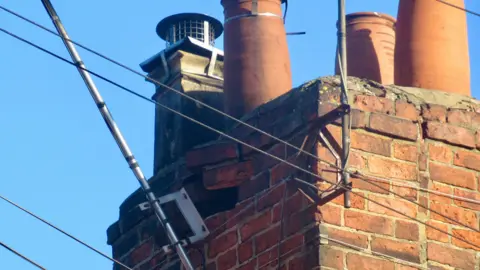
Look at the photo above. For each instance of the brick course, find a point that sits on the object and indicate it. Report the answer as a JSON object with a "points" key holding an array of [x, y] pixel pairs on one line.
{"points": [[397, 137]]}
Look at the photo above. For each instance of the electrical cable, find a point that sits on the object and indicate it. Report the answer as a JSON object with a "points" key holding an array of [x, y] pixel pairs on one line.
{"points": [[211, 108], [64, 232], [285, 12], [346, 188], [460, 8], [22, 256], [157, 83]]}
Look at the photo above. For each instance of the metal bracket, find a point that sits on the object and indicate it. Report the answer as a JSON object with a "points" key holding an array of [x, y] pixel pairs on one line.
{"points": [[211, 65], [189, 212]]}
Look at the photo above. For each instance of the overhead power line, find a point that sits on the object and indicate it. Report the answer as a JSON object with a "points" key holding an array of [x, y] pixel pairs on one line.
{"points": [[22, 256], [255, 148], [118, 137], [358, 174], [459, 8], [63, 232]]}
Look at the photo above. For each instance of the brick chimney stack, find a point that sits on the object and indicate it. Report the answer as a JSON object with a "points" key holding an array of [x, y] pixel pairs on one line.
{"points": [[432, 46], [189, 64], [257, 64]]}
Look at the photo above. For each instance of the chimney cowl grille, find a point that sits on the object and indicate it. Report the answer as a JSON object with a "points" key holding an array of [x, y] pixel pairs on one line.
{"points": [[201, 27]]}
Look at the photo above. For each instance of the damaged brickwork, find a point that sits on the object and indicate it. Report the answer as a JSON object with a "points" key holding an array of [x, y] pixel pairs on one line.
{"points": [[407, 140]]}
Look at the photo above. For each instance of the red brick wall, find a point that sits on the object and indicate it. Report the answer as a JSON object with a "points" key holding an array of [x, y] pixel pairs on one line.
{"points": [[405, 145]]}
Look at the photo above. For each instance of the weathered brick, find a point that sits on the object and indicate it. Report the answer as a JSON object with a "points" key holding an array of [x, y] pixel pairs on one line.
{"points": [[467, 195], [433, 234], [251, 265], [300, 220], [422, 162], [356, 160], [452, 176], [331, 214], [271, 197], [325, 154], [397, 249], [253, 186], [295, 203], [406, 110], [245, 251], [292, 244], [434, 112], [393, 126], [450, 134], [360, 262], [242, 211], [356, 201], [227, 260], [451, 256], [407, 193], [440, 153], [359, 119], [255, 225], [141, 253], [369, 143], [464, 118], [352, 238], [407, 152], [364, 183], [467, 159], [407, 230], [374, 104], [228, 175], [423, 201], [368, 223], [267, 239], [222, 243], [391, 168], [211, 154], [330, 257], [463, 216], [407, 208], [443, 189], [262, 162], [281, 171], [472, 239]]}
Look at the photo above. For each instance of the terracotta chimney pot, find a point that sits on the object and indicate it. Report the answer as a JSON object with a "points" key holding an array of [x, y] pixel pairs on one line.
{"points": [[370, 46], [256, 63], [432, 46]]}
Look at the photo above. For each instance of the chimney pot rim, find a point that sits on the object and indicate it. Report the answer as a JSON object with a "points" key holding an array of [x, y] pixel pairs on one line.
{"points": [[166, 22], [355, 15]]}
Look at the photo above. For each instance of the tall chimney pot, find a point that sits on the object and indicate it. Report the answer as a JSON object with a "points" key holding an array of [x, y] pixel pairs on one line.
{"points": [[432, 46], [370, 46], [256, 63]]}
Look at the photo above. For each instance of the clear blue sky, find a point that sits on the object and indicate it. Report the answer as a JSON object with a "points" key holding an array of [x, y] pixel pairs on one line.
{"points": [[58, 158]]}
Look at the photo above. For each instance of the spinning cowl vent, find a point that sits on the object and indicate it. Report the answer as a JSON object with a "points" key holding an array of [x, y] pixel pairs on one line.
{"points": [[201, 27]]}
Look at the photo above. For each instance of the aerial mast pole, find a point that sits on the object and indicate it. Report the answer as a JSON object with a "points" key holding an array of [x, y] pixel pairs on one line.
{"points": [[117, 135], [342, 58]]}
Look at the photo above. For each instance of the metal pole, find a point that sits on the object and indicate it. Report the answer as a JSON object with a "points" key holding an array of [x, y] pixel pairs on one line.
{"points": [[342, 48], [115, 131]]}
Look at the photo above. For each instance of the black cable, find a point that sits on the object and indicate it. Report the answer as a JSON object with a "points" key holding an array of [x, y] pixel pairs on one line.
{"points": [[459, 8], [62, 231], [346, 188], [205, 105], [21, 256], [285, 12]]}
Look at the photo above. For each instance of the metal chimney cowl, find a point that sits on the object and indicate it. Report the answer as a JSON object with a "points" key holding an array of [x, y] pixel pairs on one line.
{"points": [[370, 46], [257, 61], [432, 46]]}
